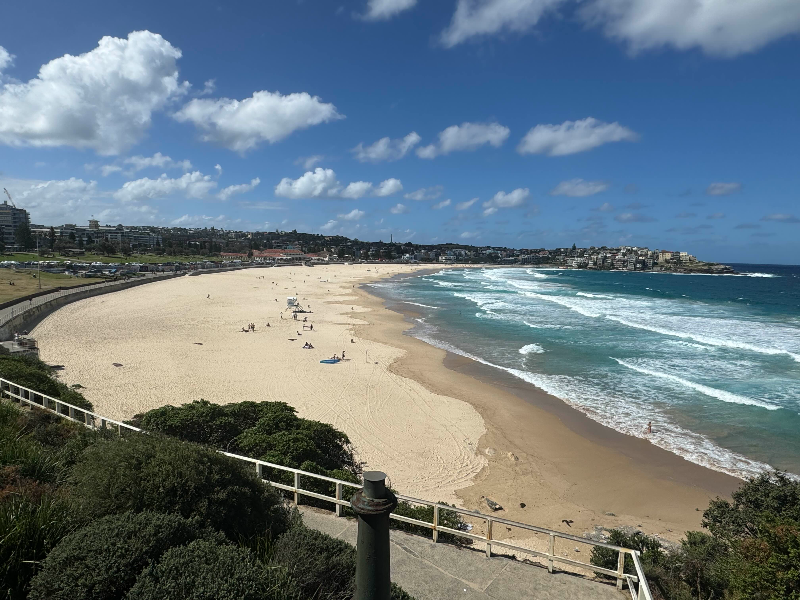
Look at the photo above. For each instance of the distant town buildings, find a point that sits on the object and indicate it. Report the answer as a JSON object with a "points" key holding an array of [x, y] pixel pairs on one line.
{"points": [[11, 218]]}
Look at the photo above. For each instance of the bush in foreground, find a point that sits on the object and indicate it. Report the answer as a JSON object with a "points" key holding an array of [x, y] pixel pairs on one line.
{"points": [[323, 567], [148, 473], [103, 560], [271, 431], [205, 570], [29, 529], [32, 373], [752, 551]]}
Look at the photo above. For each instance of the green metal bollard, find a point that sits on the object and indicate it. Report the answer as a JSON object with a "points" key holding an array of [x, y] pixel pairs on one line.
{"points": [[373, 504]]}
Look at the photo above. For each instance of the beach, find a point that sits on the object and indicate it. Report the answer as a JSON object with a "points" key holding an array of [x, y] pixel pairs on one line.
{"points": [[441, 426]]}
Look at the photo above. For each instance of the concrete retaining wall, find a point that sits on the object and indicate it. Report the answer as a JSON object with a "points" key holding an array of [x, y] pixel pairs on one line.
{"points": [[35, 314]]}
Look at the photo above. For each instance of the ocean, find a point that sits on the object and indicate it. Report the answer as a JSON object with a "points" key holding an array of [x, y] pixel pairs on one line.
{"points": [[713, 361]]}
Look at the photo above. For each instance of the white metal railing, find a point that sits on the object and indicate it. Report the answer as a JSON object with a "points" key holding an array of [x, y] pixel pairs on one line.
{"points": [[637, 583]]}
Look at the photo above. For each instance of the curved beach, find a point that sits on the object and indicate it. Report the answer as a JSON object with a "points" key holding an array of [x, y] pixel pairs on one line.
{"points": [[454, 433]]}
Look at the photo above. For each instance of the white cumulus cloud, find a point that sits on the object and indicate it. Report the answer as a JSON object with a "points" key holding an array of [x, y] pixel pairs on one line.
{"points": [[323, 183], [308, 162], [386, 148], [158, 160], [429, 193], [571, 137], [381, 10], [578, 188], [502, 200], [475, 18], [465, 205], [353, 215], [717, 27], [723, 189], [389, 187], [232, 190], [467, 136], [398, 209], [103, 99], [468, 235], [6, 59], [319, 183], [442, 204], [191, 185], [356, 190], [241, 125]]}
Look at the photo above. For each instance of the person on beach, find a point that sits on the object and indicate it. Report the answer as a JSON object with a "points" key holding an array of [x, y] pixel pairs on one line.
{"points": [[268, 324], [311, 327], [650, 427], [209, 296], [342, 354]]}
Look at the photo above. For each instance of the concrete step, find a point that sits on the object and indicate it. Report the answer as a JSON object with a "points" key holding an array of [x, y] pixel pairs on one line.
{"points": [[431, 571]]}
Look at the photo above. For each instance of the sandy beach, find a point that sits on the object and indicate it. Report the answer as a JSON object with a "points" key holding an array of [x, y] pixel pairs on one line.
{"points": [[442, 427]]}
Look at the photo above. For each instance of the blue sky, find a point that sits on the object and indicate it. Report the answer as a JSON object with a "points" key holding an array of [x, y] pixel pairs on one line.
{"points": [[527, 123]]}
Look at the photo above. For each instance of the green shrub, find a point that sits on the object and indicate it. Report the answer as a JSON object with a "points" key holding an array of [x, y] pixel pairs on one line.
{"points": [[270, 431], [323, 567], [102, 560], [30, 372], [768, 567], [447, 518], [757, 505], [29, 529], [145, 472], [205, 570]]}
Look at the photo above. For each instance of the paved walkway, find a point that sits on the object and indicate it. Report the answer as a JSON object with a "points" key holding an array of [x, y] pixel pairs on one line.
{"points": [[431, 571]]}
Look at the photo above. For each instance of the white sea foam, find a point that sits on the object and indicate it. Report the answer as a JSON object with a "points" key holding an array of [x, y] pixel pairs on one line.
{"points": [[705, 339], [419, 304], [703, 389], [588, 295], [628, 418], [531, 349], [760, 275]]}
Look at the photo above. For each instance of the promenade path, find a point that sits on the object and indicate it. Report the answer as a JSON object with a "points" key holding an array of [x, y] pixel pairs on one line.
{"points": [[431, 571], [10, 312]]}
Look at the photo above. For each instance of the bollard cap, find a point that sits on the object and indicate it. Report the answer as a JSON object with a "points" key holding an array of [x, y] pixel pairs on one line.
{"points": [[374, 485]]}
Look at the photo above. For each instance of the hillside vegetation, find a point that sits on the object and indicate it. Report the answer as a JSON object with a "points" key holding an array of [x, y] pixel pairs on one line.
{"points": [[91, 514], [751, 550]]}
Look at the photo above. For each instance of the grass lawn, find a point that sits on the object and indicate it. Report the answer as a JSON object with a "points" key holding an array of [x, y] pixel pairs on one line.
{"points": [[26, 283], [89, 258]]}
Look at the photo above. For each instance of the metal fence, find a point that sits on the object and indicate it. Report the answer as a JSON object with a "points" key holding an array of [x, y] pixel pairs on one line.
{"points": [[637, 584]]}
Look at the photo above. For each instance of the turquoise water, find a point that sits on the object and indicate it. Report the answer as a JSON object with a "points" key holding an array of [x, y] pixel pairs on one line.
{"points": [[712, 361]]}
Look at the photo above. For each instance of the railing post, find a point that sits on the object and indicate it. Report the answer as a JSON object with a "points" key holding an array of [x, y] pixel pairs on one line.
{"points": [[71, 413], [435, 523], [373, 504], [552, 552], [259, 472], [296, 487], [620, 569], [338, 497], [488, 538]]}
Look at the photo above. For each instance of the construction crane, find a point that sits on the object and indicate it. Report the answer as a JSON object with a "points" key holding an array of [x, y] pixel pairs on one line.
{"points": [[9, 198]]}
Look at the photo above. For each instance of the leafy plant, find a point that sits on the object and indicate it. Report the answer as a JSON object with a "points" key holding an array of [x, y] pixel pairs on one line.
{"points": [[206, 570], [146, 472], [102, 560]]}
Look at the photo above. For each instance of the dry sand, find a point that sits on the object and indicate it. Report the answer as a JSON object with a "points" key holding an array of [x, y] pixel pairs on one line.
{"points": [[432, 421], [176, 345]]}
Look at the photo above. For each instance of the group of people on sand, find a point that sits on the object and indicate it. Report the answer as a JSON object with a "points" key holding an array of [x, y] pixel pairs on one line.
{"points": [[308, 346], [250, 327], [337, 358]]}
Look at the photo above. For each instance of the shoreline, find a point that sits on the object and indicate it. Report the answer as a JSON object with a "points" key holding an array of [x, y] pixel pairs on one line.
{"points": [[444, 428], [546, 454]]}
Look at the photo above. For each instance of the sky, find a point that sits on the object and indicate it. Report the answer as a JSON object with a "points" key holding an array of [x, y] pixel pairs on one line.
{"points": [[671, 124]]}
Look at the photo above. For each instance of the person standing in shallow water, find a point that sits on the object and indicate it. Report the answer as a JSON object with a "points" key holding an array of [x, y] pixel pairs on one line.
{"points": [[650, 427]]}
